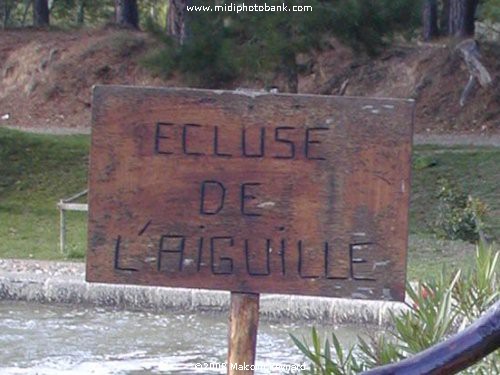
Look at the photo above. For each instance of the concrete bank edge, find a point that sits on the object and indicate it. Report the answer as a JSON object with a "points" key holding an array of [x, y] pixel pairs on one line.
{"points": [[74, 290]]}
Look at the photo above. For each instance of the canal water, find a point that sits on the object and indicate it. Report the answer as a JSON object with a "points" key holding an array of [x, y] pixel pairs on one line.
{"points": [[62, 339]]}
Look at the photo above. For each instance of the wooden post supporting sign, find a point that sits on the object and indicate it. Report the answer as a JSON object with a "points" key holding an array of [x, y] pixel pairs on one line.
{"points": [[250, 193], [243, 325]]}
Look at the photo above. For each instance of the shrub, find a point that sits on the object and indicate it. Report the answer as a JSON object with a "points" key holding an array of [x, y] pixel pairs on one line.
{"points": [[161, 62], [439, 308], [459, 216], [490, 10], [368, 25]]}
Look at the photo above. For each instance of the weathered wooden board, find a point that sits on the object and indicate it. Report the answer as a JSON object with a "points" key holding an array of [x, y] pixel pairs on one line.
{"points": [[259, 193]]}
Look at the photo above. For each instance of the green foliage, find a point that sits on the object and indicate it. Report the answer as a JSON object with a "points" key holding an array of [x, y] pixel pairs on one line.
{"points": [[322, 361], [479, 289], [13, 13], [423, 161], [222, 46], [438, 307], [377, 351], [473, 294], [366, 25], [209, 57], [431, 317], [490, 10], [153, 12], [64, 13], [459, 216], [76, 253], [471, 169], [63, 10], [161, 62]]}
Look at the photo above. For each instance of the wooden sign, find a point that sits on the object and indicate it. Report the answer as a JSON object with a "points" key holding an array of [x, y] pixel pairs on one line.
{"points": [[254, 193]]}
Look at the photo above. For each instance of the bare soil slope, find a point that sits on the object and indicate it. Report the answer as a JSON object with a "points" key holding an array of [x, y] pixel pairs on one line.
{"points": [[46, 78], [432, 74]]}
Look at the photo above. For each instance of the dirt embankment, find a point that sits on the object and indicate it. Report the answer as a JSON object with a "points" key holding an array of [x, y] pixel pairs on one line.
{"points": [[46, 78]]}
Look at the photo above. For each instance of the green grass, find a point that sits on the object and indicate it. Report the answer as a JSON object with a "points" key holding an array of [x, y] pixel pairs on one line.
{"points": [[476, 171], [429, 256], [37, 170]]}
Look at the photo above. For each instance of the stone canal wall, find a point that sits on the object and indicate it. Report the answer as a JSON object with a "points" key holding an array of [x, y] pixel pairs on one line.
{"points": [[64, 282]]}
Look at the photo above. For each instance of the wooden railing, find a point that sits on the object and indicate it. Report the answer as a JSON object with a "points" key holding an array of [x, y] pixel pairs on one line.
{"points": [[67, 204], [455, 354]]}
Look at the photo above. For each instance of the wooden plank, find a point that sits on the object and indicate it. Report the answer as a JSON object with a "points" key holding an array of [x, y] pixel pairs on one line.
{"points": [[62, 231], [256, 193], [243, 326], [73, 206]]}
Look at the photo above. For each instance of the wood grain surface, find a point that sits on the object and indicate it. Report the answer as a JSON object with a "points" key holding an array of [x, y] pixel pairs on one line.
{"points": [[250, 192], [243, 327]]}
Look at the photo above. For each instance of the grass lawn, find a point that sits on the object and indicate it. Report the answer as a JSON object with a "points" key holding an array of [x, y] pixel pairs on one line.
{"points": [[473, 170], [37, 170]]}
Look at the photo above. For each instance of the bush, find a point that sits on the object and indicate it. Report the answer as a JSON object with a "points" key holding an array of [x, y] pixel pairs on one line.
{"points": [[439, 308], [489, 10], [210, 57], [367, 25], [161, 62], [459, 216]]}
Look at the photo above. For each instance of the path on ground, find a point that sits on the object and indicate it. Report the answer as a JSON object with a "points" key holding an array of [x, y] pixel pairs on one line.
{"points": [[491, 140]]}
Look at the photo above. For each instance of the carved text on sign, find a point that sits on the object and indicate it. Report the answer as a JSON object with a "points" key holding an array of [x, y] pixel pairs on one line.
{"points": [[173, 139], [268, 193]]}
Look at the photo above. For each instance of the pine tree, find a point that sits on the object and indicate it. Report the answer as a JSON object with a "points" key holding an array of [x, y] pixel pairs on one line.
{"points": [[40, 13], [462, 17], [176, 20], [430, 18], [127, 13]]}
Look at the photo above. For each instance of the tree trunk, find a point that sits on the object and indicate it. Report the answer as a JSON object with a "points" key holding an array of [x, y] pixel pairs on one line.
{"points": [[5, 12], [3, 6], [430, 17], [461, 18], [126, 13], [445, 17], [176, 20], [40, 13], [471, 17], [80, 13], [290, 72]]}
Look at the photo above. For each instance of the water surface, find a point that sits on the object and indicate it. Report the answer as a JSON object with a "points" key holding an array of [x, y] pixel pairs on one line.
{"points": [[62, 339]]}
